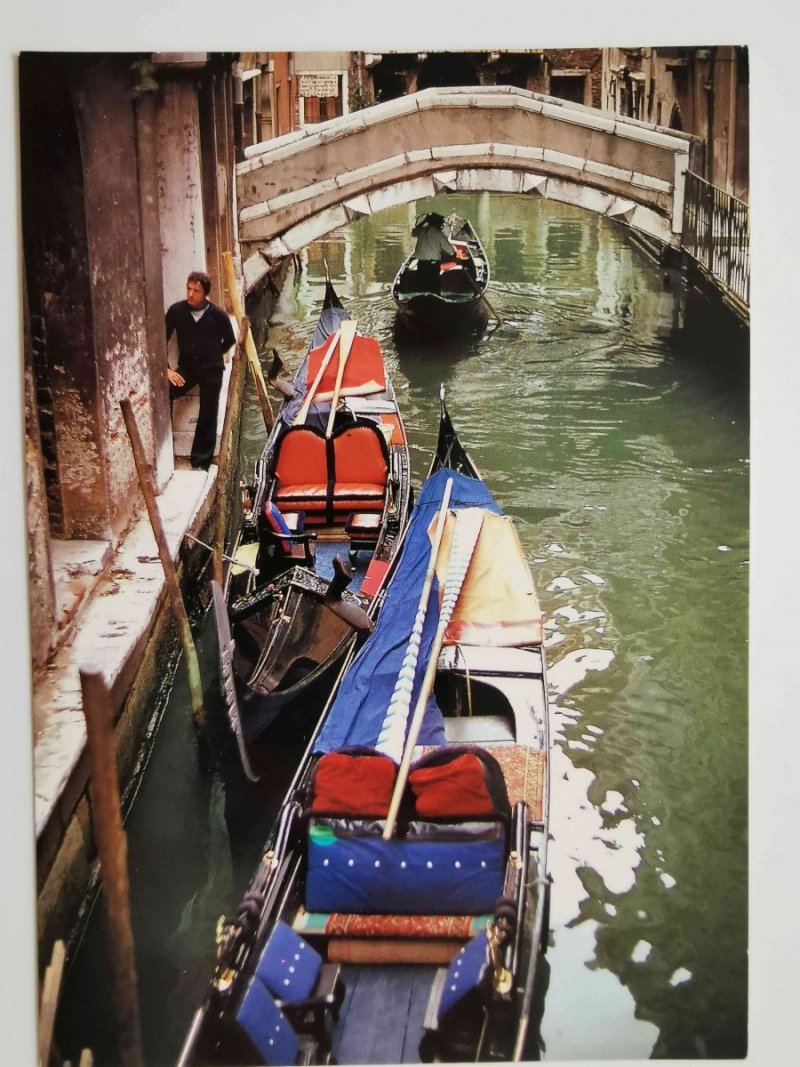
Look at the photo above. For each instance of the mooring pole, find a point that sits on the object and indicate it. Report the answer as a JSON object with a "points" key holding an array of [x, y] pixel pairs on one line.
{"points": [[112, 848], [221, 518], [250, 346], [145, 472]]}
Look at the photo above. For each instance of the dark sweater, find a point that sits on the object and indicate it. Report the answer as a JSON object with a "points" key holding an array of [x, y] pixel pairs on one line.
{"points": [[202, 344]]}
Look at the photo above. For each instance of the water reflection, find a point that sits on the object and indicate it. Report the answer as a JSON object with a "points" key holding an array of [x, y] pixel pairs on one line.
{"points": [[622, 456], [623, 460]]}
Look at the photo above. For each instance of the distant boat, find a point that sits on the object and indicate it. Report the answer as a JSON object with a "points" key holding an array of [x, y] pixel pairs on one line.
{"points": [[462, 282], [399, 913], [321, 526]]}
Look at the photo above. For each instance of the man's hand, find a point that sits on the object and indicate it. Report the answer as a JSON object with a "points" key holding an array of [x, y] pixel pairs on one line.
{"points": [[175, 378]]}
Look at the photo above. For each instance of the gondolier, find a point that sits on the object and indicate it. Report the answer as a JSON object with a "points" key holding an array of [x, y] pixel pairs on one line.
{"points": [[431, 249], [443, 281], [204, 334]]}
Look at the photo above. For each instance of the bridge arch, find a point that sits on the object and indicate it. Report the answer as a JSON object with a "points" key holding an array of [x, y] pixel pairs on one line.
{"points": [[297, 188]]}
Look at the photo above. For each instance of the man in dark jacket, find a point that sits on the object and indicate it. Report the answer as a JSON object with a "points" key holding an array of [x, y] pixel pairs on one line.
{"points": [[204, 334], [431, 249]]}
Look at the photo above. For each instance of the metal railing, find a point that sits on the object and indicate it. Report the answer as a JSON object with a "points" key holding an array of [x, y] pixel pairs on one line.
{"points": [[716, 232]]}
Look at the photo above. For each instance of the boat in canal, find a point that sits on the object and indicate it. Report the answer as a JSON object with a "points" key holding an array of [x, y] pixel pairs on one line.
{"points": [[322, 522], [453, 298], [399, 912]]}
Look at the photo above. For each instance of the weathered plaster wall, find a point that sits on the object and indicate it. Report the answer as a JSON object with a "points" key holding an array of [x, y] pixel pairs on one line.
{"points": [[124, 367], [59, 298], [183, 238], [41, 592]]}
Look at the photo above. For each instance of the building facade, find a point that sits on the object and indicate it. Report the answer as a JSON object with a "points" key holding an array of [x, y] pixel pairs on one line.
{"points": [[126, 185], [703, 91]]}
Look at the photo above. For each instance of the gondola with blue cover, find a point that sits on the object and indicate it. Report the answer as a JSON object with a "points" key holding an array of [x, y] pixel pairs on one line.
{"points": [[406, 875]]}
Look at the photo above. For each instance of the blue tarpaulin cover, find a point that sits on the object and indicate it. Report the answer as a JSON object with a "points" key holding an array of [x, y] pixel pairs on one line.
{"points": [[357, 714]]}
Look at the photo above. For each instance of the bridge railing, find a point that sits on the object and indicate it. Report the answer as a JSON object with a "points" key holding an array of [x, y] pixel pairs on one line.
{"points": [[716, 232]]}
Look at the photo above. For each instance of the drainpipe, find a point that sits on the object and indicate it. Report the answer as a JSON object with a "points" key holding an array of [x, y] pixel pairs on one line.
{"points": [[705, 55], [238, 111]]}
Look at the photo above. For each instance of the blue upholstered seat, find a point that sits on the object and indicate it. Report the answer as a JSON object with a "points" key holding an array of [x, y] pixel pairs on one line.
{"points": [[289, 967], [266, 1025], [465, 972]]}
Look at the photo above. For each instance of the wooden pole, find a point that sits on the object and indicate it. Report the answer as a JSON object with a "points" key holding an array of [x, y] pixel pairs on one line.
{"points": [[250, 346], [302, 414], [391, 740], [461, 549], [345, 344], [483, 297], [225, 448], [112, 848], [145, 472], [49, 1001]]}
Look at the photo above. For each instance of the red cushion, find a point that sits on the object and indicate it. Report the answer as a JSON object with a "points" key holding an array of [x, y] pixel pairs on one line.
{"points": [[359, 455], [364, 364], [358, 522], [306, 497], [457, 788], [346, 784], [302, 458]]}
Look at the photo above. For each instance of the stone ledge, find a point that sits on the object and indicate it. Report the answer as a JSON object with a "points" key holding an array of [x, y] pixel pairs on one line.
{"points": [[113, 625]]}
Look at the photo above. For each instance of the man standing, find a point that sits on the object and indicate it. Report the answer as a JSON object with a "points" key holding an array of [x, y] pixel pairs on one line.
{"points": [[431, 249], [204, 334]]}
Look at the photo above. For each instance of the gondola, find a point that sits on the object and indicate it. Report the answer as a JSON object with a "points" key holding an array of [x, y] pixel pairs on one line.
{"points": [[455, 299], [399, 913], [323, 518]]}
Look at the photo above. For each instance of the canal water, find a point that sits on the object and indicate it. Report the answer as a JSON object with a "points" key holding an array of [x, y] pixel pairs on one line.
{"points": [[621, 451]]}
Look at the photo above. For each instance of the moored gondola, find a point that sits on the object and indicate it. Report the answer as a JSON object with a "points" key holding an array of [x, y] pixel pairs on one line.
{"points": [[450, 296], [323, 519], [399, 911]]}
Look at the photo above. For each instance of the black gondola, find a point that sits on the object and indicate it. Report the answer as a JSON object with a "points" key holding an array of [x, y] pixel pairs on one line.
{"points": [[399, 911], [323, 519], [456, 293]]}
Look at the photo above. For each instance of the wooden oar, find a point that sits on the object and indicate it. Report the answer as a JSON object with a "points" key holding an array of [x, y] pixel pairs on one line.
{"points": [[392, 736], [302, 414], [250, 345], [482, 295], [348, 330], [465, 537]]}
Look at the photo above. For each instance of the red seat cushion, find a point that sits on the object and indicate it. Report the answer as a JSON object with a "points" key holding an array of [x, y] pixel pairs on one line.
{"points": [[363, 372], [302, 497], [302, 458], [347, 784], [357, 496], [359, 455], [457, 788]]}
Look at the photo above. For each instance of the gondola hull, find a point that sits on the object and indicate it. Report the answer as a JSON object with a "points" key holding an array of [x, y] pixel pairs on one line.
{"points": [[420, 927], [284, 617], [455, 301]]}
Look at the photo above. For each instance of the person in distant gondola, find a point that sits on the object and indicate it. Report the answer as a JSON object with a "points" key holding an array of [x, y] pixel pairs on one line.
{"points": [[432, 248], [204, 334]]}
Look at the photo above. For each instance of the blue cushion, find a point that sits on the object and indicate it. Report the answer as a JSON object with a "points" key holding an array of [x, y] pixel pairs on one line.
{"points": [[274, 518], [465, 972], [368, 875], [288, 967], [266, 1026]]}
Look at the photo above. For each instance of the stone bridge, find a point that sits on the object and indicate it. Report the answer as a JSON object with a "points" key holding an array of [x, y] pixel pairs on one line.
{"points": [[293, 189]]}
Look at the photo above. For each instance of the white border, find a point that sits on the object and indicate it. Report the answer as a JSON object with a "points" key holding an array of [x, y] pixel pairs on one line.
{"points": [[767, 28]]}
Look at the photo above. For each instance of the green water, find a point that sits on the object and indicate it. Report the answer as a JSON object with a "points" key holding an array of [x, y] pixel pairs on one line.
{"points": [[622, 453]]}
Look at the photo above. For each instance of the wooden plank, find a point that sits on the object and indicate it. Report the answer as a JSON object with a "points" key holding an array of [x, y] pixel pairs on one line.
{"points": [[49, 1000], [381, 1019]]}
